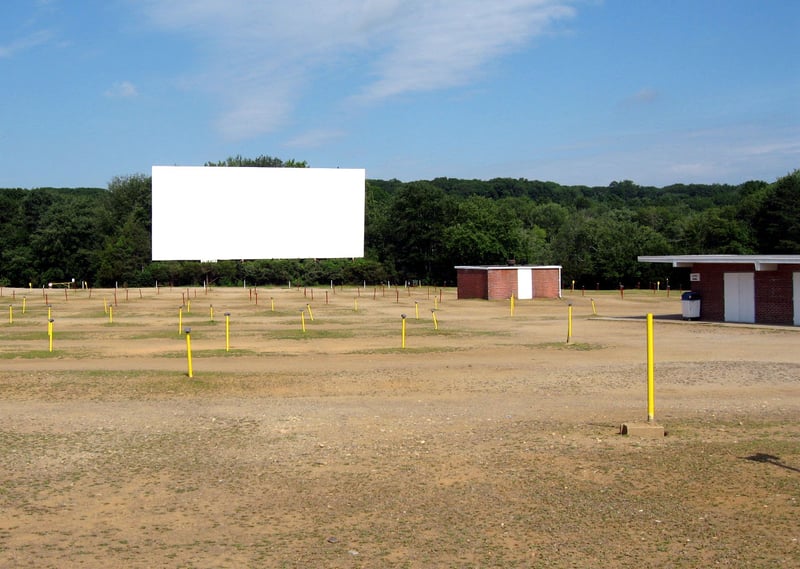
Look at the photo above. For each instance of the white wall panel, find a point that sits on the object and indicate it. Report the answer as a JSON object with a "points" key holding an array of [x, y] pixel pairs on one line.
{"points": [[740, 303], [524, 283]]}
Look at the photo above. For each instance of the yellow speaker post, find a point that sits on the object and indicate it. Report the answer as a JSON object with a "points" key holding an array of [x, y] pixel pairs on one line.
{"points": [[650, 372], [189, 350], [569, 323]]}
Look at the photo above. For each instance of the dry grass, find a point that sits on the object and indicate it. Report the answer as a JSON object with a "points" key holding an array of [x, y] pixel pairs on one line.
{"points": [[491, 443]]}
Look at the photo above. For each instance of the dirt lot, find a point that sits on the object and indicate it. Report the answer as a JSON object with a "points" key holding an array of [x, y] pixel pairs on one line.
{"points": [[490, 442]]}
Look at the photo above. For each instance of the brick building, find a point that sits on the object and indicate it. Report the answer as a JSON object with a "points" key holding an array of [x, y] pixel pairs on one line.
{"points": [[500, 282], [763, 289]]}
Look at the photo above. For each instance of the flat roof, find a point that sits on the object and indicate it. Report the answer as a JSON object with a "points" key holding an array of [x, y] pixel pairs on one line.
{"points": [[760, 262], [496, 267]]}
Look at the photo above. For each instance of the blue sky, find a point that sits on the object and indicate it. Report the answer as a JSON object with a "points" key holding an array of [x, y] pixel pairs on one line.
{"points": [[572, 91]]}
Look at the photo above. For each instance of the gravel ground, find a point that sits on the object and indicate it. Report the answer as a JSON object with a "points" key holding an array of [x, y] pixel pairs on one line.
{"points": [[490, 442]]}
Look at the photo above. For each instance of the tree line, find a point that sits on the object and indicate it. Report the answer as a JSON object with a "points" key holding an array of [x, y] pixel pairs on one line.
{"points": [[414, 232]]}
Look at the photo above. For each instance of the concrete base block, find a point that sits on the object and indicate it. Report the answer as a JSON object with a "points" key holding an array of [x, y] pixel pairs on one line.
{"points": [[644, 430]]}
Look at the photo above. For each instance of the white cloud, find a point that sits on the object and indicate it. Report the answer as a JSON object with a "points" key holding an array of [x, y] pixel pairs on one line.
{"points": [[122, 90], [643, 96], [23, 44], [447, 44], [314, 138], [730, 154], [263, 55], [789, 148]]}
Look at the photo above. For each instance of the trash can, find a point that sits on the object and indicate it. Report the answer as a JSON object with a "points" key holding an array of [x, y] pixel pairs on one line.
{"points": [[690, 302]]}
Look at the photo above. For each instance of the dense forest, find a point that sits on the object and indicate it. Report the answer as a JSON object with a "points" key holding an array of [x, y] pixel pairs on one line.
{"points": [[414, 232]]}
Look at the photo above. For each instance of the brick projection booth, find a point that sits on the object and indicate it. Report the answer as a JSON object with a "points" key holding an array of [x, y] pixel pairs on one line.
{"points": [[500, 282]]}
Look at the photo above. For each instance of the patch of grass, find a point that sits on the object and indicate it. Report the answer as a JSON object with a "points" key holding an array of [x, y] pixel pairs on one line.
{"points": [[182, 354], [44, 354], [98, 385], [577, 346], [172, 333], [19, 323], [42, 333], [188, 321], [222, 352], [309, 334], [412, 350], [442, 331], [24, 336]]}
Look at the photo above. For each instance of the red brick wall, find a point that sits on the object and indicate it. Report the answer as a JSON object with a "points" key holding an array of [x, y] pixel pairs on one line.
{"points": [[472, 283], [546, 283], [502, 283], [773, 292], [774, 303]]}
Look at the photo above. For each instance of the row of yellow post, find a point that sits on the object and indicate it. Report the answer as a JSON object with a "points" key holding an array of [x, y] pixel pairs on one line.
{"points": [[403, 325], [109, 310], [49, 320]]}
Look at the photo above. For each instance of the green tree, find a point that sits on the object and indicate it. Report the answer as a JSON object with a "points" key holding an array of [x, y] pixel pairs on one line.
{"points": [[478, 234], [128, 197], [605, 249], [376, 206], [65, 243], [19, 267], [126, 256], [715, 230], [127, 225], [259, 162], [364, 270], [777, 222], [413, 231]]}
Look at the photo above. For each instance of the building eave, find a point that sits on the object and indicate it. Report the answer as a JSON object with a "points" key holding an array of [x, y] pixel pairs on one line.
{"points": [[759, 262], [506, 267]]}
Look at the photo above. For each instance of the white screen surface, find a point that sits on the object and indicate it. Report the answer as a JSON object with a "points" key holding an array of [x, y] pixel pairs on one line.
{"points": [[215, 213]]}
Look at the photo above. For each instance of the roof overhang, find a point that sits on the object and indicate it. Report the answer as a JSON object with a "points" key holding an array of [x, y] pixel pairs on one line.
{"points": [[506, 267], [759, 262]]}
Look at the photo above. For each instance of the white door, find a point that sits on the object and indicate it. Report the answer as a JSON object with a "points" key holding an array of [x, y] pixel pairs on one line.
{"points": [[796, 296], [740, 297], [524, 284]]}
